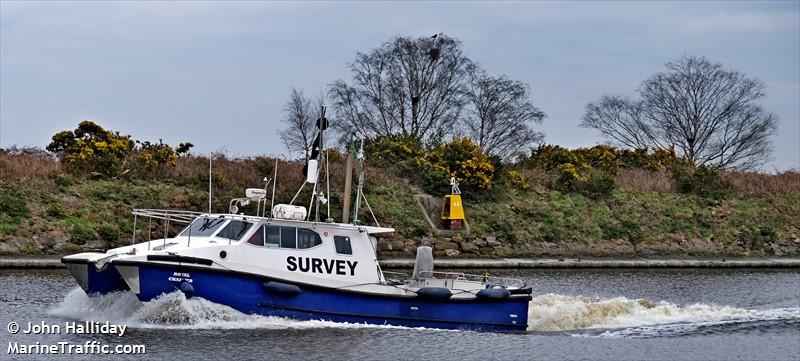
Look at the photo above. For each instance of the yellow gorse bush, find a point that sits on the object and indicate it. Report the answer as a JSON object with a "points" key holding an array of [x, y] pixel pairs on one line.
{"points": [[517, 180], [600, 157], [153, 155], [90, 148], [460, 158]]}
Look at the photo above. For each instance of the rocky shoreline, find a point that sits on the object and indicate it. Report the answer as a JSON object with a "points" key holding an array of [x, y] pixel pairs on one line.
{"points": [[466, 246]]}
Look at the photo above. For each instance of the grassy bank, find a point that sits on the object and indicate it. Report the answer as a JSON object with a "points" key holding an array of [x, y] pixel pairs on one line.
{"points": [[44, 209]]}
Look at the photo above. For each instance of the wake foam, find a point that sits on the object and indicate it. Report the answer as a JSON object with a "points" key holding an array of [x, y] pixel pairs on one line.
{"points": [[174, 311], [577, 315], [624, 317]]}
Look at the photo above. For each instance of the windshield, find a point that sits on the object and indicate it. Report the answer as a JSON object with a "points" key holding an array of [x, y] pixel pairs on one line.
{"points": [[203, 227], [234, 230]]}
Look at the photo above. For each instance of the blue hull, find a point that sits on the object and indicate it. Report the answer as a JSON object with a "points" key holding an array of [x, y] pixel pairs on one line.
{"points": [[105, 281], [96, 282], [247, 293]]}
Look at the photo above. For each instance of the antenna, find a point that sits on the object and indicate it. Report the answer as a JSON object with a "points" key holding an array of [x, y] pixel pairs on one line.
{"points": [[328, 186], [360, 163], [259, 207], [274, 181]]}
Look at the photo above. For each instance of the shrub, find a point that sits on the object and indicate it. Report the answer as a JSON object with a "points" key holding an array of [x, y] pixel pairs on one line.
{"points": [[589, 171], [568, 178], [603, 157], [597, 185], [600, 157], [183, 148], [591, 183], [13, 208], [91, 148], [624, 229], [550, 157], [394, 151], [756, 237], [152, 155], [703, 181], [80, 234], [460, 158], [108, 232], [517, 180]]}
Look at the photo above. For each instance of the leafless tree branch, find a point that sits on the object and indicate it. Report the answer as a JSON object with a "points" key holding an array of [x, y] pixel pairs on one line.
{"points": [[499, 114], [707, 113], [300, 117], [409, 86]]}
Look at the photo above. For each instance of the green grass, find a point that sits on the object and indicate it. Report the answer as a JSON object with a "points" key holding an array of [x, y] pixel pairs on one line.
{"points": [[100, 209]]}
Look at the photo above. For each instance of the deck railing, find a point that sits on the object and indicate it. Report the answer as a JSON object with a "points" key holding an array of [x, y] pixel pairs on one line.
{"points": [[167, 214], [485, 278]]}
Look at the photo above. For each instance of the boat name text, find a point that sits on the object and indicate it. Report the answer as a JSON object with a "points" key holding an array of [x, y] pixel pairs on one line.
{"points": [[321, 265]]}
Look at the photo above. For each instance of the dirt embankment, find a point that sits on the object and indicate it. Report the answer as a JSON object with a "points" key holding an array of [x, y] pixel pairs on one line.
{"points": [[44, 210]]}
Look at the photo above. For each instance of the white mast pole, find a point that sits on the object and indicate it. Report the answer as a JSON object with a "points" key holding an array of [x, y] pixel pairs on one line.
{"points": [[360, 163], [274, 181], [328, 186]]}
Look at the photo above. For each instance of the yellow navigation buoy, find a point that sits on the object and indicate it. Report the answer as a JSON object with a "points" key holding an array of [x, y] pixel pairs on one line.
{"points": [[452, 208]]}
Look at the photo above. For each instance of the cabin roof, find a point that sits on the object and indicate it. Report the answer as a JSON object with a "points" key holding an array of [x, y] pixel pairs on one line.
{"points": [[368, 229]]}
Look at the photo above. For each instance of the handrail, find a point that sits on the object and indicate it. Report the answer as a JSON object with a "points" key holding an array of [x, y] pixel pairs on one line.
{"points": [[168, 214], [460, 276], [390, 273]]}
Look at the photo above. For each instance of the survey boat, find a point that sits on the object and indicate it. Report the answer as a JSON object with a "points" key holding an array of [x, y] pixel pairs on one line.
{"points": [[303, 270], [282, 262]]}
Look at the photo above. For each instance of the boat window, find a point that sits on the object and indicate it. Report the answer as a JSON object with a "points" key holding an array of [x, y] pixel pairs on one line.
{"points": [[288, 237], [234, 230], [307, 238], [273, 236], [203, 227], [342, 245], [257, 238]]}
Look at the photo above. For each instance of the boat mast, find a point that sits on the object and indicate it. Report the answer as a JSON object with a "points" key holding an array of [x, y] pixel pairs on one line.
{"points": [[360, 163], [322, 123], [275, 181], [348, 177]]}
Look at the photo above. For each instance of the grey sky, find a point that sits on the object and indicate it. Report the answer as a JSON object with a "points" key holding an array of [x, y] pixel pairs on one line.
{"points": [[218, 74]]}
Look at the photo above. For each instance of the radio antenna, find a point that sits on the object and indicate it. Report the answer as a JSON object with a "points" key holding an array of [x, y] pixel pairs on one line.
{"points": [[274, 181], [210, 156]]}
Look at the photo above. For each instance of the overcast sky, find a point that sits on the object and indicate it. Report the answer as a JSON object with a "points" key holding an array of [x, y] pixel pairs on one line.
{"points": [[218, 74]]}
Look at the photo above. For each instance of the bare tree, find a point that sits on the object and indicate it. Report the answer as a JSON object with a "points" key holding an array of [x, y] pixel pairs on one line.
{"points": [[619, 119], [300, 117], [707, 113], [500, 113], [408, 86]]}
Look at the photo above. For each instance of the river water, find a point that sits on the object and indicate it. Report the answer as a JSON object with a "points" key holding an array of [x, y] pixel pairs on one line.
{"points": [[652, 314]]}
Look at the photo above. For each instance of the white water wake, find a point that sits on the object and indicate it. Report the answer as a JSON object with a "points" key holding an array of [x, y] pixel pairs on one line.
{"points": [[577, 315], [624, 317], [174, 311]]}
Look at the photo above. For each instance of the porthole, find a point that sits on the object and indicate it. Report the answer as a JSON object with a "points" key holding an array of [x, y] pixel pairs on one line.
{"points": [[223, 254]]}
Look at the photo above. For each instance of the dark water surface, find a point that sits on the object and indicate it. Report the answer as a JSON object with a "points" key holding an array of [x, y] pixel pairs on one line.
{"points": [[687, 314]]}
